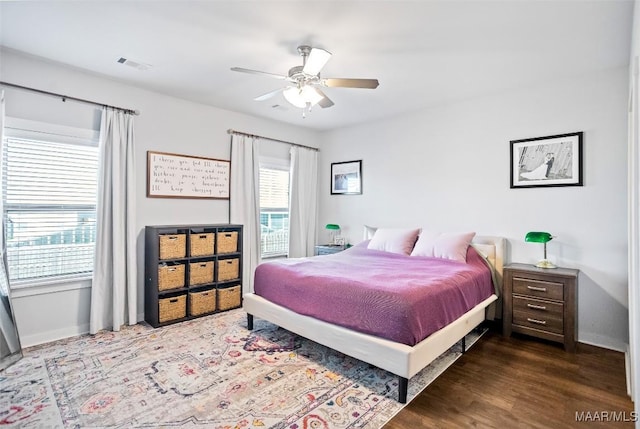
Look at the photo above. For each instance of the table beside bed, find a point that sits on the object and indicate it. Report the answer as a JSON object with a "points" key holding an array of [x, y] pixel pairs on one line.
{"points": [[541, 302]]}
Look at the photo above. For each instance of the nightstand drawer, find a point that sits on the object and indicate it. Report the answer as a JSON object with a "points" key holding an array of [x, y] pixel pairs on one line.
{"points": [[538, 288], [538, 321], [537, 306]]}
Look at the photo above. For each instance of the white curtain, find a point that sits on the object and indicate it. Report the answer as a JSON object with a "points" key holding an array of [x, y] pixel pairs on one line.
{"points": [[114, 288], [244, 204], [8, 329], [303, 202]]}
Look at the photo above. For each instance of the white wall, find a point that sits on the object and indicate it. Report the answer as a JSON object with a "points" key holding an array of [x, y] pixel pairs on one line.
{"points": [[448, 169], [165, 124]]}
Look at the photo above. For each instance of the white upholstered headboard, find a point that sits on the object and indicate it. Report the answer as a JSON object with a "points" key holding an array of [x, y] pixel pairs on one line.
{"points": [[494, 249]]}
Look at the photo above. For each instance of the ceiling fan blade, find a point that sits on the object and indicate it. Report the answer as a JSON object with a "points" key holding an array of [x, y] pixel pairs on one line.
{"points": [[315, 61], [268, 95], [351, 83], [326, 101], [240, 69]]}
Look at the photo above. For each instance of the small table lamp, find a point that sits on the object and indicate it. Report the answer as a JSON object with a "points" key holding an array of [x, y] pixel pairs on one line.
{"points": [[334, 230], [541, 237]]}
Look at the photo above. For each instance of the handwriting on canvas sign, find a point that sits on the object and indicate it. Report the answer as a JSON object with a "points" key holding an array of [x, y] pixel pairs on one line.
{"points": [[184, 176]]}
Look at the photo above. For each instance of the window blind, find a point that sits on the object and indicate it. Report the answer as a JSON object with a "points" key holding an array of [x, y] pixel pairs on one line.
{"points": [[274, 188], [49, 204], [274, 212]]}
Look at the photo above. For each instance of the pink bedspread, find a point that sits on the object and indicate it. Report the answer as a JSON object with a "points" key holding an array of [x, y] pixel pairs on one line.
{"points": [[401, 298]]}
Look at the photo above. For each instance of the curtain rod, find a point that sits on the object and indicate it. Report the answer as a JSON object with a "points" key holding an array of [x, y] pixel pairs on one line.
{"points": [[232, 131], [66, 97]]}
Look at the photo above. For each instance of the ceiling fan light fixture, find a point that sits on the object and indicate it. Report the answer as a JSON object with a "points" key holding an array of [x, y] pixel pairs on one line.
{"points": [[311, 95], [302, 97], [293, 96]]}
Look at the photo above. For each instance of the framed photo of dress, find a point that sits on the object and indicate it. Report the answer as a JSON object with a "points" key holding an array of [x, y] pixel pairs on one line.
{"points": [[547, 161], [346, 178]]}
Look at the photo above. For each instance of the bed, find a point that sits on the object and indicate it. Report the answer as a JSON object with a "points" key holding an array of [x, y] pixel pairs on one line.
{"points": [[404, 355]]}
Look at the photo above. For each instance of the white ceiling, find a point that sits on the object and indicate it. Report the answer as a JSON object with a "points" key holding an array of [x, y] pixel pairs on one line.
{"points": [[424, 53]]}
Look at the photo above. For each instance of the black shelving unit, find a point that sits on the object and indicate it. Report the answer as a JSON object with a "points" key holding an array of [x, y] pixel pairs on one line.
{"points": [[223, 287]]}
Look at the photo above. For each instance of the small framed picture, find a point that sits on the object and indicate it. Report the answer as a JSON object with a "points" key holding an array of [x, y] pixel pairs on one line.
{"points": [[547, 161], [346, 178]]}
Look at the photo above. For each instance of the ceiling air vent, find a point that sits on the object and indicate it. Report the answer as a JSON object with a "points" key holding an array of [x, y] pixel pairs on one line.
{"points": [[135, 64]]}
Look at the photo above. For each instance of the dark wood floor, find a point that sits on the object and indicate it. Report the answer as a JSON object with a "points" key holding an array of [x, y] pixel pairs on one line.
{"points": [[520, 382]]}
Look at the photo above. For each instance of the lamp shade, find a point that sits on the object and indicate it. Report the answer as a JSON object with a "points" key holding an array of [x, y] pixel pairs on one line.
{"points": [[300, 97], [294, 96], [544, 238], [538, 237], [332, 226]]}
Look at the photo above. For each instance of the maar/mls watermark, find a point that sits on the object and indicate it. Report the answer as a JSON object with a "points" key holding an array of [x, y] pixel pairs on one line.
{"points": [[607, 416]]}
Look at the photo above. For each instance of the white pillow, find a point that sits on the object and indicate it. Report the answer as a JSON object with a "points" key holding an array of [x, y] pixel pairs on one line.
{"points": [[369, 231], [443, 245], [394, 240]]}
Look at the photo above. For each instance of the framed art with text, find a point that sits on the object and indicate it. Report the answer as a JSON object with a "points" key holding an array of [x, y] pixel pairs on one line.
{"points": [[346, 178], [170, 175], [547, 161]]}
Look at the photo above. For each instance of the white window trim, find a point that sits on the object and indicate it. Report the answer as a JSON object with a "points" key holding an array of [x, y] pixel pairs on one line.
{"points": [[33, 130], [275, 163], [51, 285]]}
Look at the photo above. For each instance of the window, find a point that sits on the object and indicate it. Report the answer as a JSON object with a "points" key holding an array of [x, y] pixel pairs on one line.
{"points": [[49, 202], [274, 209]]}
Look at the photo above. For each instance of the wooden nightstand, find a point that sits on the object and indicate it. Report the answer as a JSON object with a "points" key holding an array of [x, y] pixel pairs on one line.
{"points": [[541, 302], [328, 249]]}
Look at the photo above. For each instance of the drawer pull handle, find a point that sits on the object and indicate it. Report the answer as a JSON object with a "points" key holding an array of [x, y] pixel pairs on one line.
{"points": [[536, 321], [537, 307], [537, 289]]}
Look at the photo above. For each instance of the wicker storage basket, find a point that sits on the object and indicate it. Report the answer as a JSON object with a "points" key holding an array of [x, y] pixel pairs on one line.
{"points": [[202, 302], [172, 308], [229, 297], [227, 241], [228, 269], [173, 246], [200, 273], [170, 276], [202, 244]]}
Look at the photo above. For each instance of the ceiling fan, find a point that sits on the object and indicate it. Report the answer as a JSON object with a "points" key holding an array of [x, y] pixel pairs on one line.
{"points": [[305, 80]]}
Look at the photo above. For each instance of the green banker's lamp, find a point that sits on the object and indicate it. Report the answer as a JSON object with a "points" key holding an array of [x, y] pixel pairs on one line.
{"points": [[541, 237], [334, 230]]}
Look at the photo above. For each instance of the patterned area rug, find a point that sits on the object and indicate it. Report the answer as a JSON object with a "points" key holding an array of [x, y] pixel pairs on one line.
{"points": [[210, 372]]}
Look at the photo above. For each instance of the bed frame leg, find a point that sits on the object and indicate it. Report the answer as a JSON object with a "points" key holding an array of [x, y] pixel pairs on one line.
{"points": [[464, 344], [403, 385], [250, 322]]}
